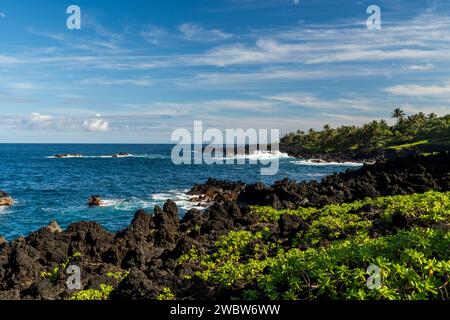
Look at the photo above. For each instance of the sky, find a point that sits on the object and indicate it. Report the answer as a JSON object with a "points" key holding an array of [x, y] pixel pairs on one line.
{"points": [[137, 70]]}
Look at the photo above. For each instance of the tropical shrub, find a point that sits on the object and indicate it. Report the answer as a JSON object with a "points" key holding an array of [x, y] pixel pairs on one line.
{"points": [[406, 237]]}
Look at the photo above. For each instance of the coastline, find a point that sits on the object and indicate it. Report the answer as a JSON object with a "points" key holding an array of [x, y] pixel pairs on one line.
{"points": [[149, 250]]}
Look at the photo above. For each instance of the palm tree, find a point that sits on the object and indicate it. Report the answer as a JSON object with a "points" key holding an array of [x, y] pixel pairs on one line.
{"points": [[398, 114]]}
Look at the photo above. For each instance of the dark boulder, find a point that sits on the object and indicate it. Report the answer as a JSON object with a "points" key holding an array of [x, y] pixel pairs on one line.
{"points": [[94, 201], [5, 199]]}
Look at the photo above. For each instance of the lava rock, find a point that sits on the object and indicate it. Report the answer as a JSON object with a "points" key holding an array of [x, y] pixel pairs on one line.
{"points": [[94, 201], [5, 199]]}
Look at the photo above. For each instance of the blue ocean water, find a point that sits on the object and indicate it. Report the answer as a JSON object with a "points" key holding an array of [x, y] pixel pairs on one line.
{"points": [[45, 188]]}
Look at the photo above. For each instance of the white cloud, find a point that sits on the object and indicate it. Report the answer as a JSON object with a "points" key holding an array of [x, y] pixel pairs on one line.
{"points": [[24, 86], [102, 40], [256, 105], [307, 100], [96, 125], [440, 110], [232, 54], [153, 34], [41, 122], [422, 38], [194, 32], [142, 82], [303, 100], [420, 67], [2, 15], [8, 60], [336, 119], [37, 117], [419, 90]]}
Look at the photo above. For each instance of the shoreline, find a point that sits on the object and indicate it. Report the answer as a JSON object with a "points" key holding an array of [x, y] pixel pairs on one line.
{"points": [[149, 249]]}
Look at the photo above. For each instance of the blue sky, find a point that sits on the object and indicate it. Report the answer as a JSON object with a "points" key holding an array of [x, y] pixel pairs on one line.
{"points": [[139, 69]]}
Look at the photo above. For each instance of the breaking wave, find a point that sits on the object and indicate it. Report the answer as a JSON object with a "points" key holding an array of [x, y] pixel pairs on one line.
{"points": [[321, 163]]}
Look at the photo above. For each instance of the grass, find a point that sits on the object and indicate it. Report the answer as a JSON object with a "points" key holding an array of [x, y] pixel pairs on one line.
{"points": [[409, 145]]}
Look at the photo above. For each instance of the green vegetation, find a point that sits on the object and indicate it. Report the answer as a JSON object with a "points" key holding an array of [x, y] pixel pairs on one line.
{"points": [[94, 294], [53, 275], [409, 145], [415, 265], [407, 237], [166, 294], [334, 222], [417, 130], [119, 275], [105, 290]]}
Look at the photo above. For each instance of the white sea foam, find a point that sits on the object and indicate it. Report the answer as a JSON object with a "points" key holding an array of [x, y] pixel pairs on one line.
{"points": [[315, 174], [148, 156], [260, 155], [313, 162], [181, 198], [133, 203]]}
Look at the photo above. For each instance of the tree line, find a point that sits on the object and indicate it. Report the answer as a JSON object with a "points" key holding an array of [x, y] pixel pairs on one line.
{"points": [[412, 128]]}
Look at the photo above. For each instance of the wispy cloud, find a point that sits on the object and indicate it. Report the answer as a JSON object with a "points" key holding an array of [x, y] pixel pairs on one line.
{"points": [[153, 34], [419, 90], [194, 32], [9, 60], [142, 82], [98, 39], [308, 100], [420, 67], [425, 37], [24, 86]]}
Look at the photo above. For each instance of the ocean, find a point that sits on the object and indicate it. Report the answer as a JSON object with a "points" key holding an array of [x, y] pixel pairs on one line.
{"points": [[45, 188]]}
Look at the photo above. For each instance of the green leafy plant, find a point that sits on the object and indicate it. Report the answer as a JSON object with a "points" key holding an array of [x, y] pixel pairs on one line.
{"points": [[119, 275], [405, 236], [166, 294], [53, 275], [94, 294]]}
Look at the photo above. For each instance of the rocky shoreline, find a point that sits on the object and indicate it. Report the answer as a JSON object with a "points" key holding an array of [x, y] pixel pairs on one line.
{"points": [[146, 253]]}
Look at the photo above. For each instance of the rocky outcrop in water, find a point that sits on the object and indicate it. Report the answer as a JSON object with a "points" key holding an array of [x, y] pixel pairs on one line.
{"points": [[68, 155], [5, 199], [122, 155], [94, 201]]}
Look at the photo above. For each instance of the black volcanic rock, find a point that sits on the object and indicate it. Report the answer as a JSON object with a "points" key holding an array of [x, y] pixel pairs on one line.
{"points": [[149, 248], [94, 201], [396, 177]]}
